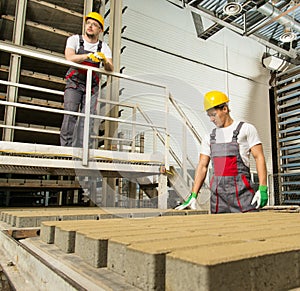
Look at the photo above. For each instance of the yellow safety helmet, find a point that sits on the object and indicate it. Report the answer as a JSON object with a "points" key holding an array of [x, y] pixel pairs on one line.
{"points": [[96, 16], [214, 98]]}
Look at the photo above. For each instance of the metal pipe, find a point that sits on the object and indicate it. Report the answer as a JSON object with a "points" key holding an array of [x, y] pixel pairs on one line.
{"points": [[291, 53], [270, 11]]}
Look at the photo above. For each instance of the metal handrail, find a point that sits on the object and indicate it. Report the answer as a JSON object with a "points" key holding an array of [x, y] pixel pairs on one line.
{"points": [[21, 50]]}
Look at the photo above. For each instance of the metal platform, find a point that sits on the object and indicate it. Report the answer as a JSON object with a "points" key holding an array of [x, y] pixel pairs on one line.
{"points": [[18, 157]]}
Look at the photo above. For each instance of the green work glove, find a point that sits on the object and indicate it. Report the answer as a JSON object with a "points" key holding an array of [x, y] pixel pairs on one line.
{"points": [[260, 197], [190, 202]]}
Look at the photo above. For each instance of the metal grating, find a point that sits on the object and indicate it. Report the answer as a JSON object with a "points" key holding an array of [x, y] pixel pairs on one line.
{"points": [[288, 111]]}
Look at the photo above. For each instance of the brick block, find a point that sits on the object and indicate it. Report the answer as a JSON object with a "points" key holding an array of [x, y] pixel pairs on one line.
{"points": [[151, 274], [269, 265]]}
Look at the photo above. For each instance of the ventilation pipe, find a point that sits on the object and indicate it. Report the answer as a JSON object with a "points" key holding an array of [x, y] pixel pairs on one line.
{"points": [[270, 11]]}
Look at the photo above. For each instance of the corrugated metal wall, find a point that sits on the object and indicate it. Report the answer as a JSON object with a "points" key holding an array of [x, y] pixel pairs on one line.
{"points": [[161, 44]]}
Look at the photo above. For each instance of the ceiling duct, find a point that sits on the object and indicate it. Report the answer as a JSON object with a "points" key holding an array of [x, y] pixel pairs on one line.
{"points": [[262, 20], [270, 11], [232, 7]]}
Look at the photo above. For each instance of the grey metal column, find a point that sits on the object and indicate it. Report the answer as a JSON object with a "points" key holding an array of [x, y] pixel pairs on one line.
{"points": [[111, 128], [163, 193], [132, 194], [113, 83], [15, 69], [88, 7], [97, 122]]}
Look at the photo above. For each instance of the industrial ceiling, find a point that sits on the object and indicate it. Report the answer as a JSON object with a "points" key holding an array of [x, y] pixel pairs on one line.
{"points": [[274, 23]]}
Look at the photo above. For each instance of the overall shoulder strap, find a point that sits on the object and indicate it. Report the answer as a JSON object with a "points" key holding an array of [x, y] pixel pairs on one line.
{"points": [[213, 136], [99, 46], [81, 41], [237, 131]]}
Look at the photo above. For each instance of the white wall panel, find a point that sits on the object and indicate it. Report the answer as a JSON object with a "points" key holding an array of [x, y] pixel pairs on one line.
{"points": [[159, 63], [243, 56], [161, 45], [156, 33]]}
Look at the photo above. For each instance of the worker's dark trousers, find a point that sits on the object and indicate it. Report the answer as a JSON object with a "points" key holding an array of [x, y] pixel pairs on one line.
{"points": [[71, 133]]}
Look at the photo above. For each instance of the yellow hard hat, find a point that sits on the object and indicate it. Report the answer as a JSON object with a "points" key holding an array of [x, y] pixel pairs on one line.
{"points": [[96, 16], [214, 98]]}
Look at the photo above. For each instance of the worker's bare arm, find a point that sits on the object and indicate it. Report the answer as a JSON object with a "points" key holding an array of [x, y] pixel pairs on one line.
{"points": [[70, 55], [258, 155], [201, 172]]}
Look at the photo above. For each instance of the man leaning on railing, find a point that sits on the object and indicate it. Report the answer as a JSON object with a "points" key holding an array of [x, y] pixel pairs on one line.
{"points": [[88, 50]]}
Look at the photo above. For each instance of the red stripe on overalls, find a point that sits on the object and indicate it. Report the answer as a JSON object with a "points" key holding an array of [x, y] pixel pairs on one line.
{"points": [[244, 178], [247, 184], [237, 194], [91, 65], [96, 65], [70, 74], [83, 72]]}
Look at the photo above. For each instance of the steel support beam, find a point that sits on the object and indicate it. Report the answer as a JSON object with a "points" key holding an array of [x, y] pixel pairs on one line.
{"points": [[15, 68], [113, 83], [88, 7], [111, 128], [163, 191]]}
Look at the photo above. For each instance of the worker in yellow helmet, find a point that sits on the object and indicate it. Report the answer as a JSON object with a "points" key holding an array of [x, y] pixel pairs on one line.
{"points": [[88, 50], [229, 146]]}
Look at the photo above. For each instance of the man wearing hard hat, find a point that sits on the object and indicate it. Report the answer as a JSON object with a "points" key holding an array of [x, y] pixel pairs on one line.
{"points": [[88, 50], [228, 147]]}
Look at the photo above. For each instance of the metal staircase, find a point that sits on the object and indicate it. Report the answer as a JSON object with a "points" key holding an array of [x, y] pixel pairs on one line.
{"points": [[31, 107], [52, 160]]}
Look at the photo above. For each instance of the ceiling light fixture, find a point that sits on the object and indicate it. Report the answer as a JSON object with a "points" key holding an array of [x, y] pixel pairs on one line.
{"points": [[232, 8], [274, 63], [288, 35]]}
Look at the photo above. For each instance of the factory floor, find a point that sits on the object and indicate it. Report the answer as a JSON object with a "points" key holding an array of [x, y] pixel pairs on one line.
{"points": [[150, 249]]}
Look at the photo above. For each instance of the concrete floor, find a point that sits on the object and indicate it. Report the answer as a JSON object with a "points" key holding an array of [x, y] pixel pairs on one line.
{"points": [[174, 251]]}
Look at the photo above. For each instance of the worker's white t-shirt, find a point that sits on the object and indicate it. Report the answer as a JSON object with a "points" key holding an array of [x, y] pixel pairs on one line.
{"points": [[247, 138], [73, 43]]}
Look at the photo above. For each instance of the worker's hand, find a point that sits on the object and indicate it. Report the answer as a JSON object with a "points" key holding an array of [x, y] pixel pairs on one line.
{"points": [[190, 202], [101, 57], [97, 57], [260, 197], [93, 57]]}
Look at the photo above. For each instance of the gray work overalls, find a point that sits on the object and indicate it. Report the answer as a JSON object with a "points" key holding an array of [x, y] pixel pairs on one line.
{"points": [[71, 133], [231, 184]]}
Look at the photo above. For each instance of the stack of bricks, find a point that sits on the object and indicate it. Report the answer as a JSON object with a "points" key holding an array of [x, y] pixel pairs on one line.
{"points": [[22, 218], [252, 251]]}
